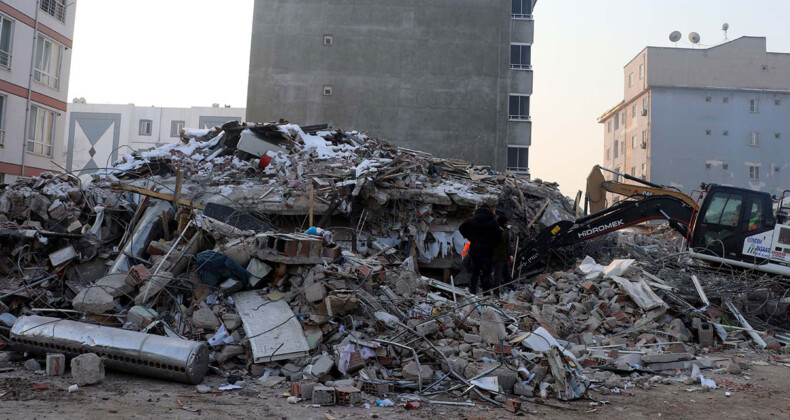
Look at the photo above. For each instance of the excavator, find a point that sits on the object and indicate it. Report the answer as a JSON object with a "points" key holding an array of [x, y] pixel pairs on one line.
{"points": [[727, 225]]}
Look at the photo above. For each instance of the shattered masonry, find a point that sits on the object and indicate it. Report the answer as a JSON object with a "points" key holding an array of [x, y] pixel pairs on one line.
{"points": [[328, 263]]}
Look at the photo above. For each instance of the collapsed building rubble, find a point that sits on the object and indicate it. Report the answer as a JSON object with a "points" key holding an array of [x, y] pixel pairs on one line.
{"points": [[329, 263]]}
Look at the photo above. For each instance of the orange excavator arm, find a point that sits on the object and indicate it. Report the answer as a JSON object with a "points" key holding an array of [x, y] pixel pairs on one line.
{"points": [[598, 186]]}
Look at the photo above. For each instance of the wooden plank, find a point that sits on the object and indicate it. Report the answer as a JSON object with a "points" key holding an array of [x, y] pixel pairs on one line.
{"points": [[161, 196], [179, 182]]}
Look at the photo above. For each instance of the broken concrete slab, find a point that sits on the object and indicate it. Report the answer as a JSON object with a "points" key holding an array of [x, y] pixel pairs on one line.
{"points": [[87, 369]]}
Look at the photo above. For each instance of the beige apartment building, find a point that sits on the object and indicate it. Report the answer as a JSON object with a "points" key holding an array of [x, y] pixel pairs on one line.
{"points": [[713, 115], [35, 58]]}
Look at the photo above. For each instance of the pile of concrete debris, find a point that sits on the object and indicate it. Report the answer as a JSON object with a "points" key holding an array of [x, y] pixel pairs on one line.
{"points": [[209, 256]]}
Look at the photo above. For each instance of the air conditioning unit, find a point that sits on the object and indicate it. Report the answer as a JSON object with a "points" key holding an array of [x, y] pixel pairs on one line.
{"points": [[644, 112], [643, 145]]}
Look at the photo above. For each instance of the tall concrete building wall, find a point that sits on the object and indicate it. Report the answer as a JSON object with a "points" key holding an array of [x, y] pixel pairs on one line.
{"points": [[433, 75], [715, 115], [35, 59]]}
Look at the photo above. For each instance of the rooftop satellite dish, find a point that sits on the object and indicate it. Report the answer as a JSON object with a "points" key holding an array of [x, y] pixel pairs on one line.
{"points": [[724, 28], [675, 36], [694, 38]]}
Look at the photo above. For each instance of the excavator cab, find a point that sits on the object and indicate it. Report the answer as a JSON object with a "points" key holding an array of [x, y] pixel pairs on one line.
{"points": [[729, 218]]}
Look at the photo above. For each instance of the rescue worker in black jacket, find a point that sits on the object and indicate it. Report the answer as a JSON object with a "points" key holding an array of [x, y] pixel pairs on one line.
{"points": [[484, 234]]}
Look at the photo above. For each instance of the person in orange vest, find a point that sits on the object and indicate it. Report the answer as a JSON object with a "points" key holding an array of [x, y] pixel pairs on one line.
{"points": [[484, 234], [466, 249]]}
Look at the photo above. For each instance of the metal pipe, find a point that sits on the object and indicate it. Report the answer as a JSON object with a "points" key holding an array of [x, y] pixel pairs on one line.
{"points": [[129, 351]]}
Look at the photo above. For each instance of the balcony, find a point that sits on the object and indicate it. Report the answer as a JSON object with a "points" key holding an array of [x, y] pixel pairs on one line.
{"points": [[522, 30], [521, 80], [519, 132], [54, 8]]}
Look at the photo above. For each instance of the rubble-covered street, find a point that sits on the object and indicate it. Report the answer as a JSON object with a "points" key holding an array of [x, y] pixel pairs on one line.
{"points": [[297, 272]]}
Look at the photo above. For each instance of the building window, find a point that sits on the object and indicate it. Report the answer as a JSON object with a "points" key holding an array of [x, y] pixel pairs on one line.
{"points": [[6, 38], [518, 158], [644, 170], [764, 67], [641, 71], [633, 111], [145, 127], [644, 139], [725, 166], [633, 142], [622, 118], [520, 56], [708, 98], [630, 79], [522, 9], [644, 104], [622, 147], [754, 139], [776, 169], [47, 61], [633, 171], [777, 102], [616, 148], [3, 100], [726, 132], [754, 172], [175, 128], [608, 154], [707, 132], [707, 166], [609, 126], [519, 107], [327, 40], [754, 106], [777, 135], [616, 122], [725, 99], [40, 131], [54, 8], [327, 90]]}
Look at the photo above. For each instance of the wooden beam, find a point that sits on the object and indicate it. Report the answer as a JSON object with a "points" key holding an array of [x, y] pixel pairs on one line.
{"points": [[177, 194], [161, 196]]}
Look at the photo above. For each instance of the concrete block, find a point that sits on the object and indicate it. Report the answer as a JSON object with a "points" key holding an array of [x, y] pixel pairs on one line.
{"points": [[93, 300], [87, 369], [427, 328], [228, 352], [231, 321], [115, 285], [523, 389], [56, 364], [137, 275], [205, 318], [410, 372], [323, 395], [141, 316], [492, 327], [32, 364], [315, 293], [153, 286], [472, 338], [666, 357], [322, 366]]}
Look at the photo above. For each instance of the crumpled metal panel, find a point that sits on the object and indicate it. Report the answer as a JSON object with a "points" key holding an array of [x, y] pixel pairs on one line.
{"points": [[129, 351]]}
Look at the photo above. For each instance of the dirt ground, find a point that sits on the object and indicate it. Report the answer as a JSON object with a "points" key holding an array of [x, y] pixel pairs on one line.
{"points": [[760, 392]]}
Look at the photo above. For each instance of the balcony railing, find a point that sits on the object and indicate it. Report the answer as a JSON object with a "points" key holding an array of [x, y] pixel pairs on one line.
{"points": [[54, 8]]}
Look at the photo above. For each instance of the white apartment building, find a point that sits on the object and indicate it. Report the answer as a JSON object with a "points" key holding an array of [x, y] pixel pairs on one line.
{"points": [[714, 115], [35, 58], [98, 134]]}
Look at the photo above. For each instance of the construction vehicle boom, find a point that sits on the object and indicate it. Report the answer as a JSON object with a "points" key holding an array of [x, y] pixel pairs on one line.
{"points": [[598, 186], [734, 226]]}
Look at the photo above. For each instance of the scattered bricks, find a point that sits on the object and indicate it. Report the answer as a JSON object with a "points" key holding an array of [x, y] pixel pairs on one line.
{"points": [[348, 395], [302, 389], [621, 316], [705, 334], [141, 316], [56, 364], [323, 395], [729, 345], [87, 369], [332, 252], [590, 287], [513, 405], [506, 349], [378, 389], [315, 293], [542, 279], [355, 363], [137, 275], [157, 248]]}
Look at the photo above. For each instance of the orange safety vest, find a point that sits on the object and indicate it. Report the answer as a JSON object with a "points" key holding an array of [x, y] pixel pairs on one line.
{"points": [[466, 249]]}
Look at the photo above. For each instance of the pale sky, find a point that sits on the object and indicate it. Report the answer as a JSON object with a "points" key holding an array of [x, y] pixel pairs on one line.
{"points": [[196, 52]]}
